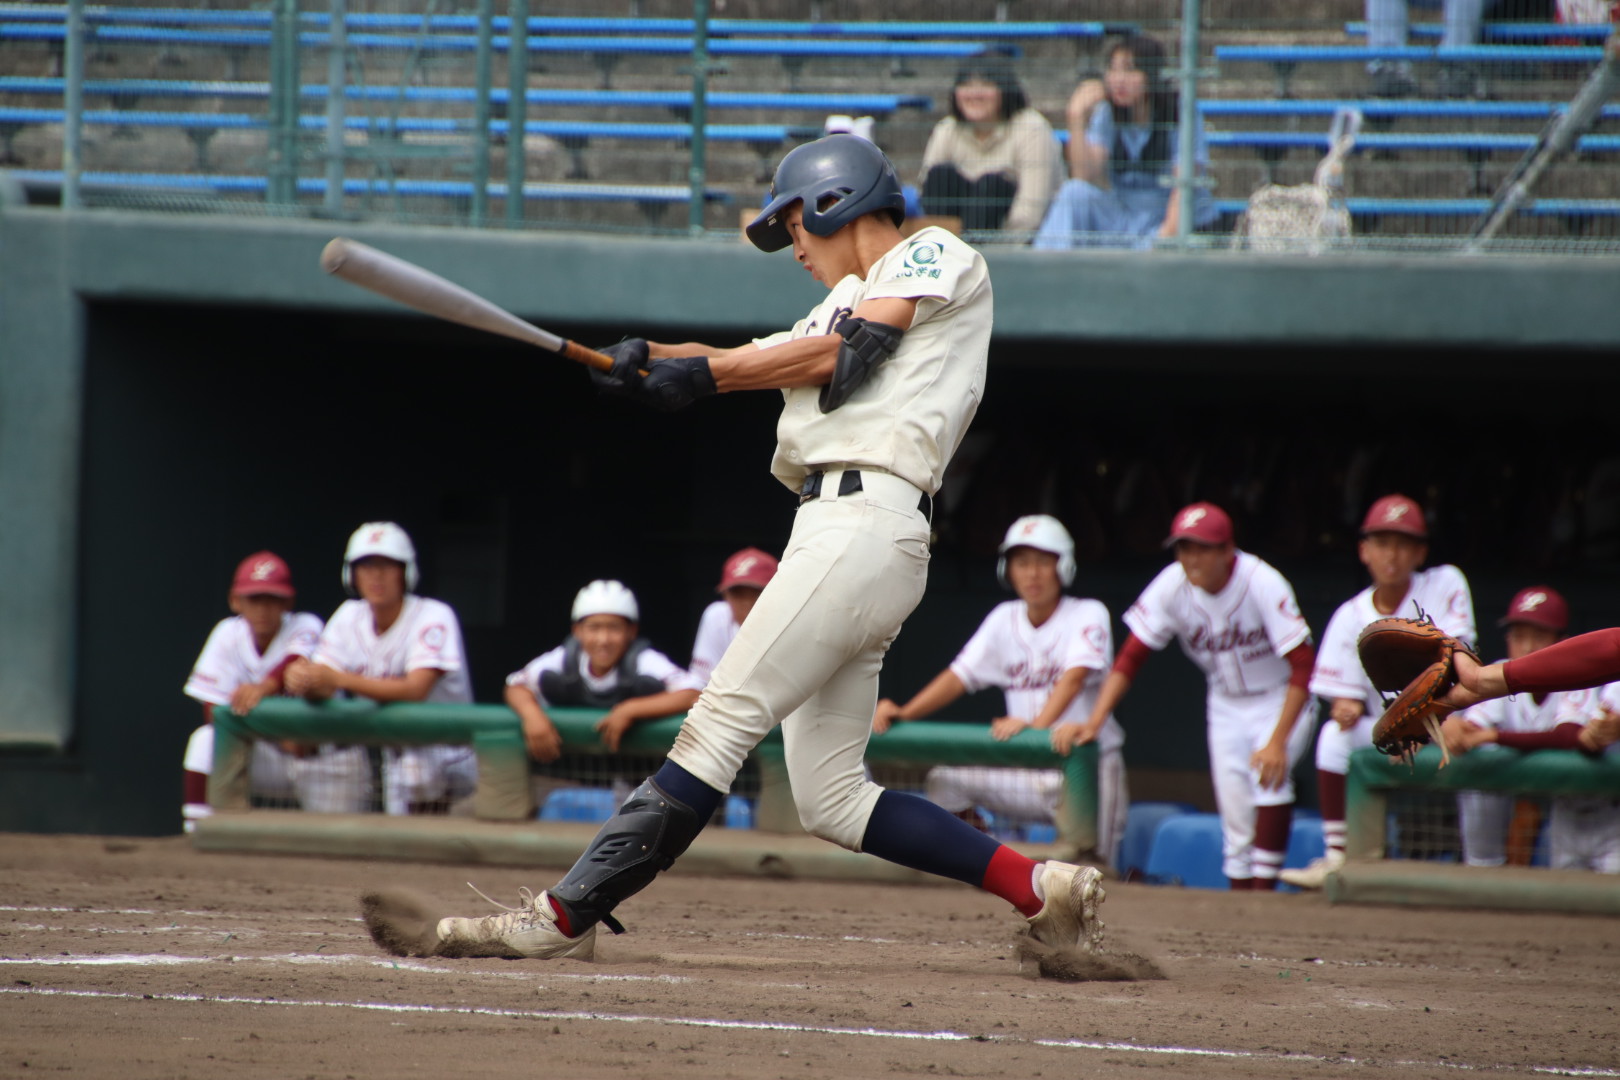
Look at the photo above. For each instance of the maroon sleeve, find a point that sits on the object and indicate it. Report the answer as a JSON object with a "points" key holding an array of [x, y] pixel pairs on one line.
{"points": [[1131, 657], [1562, 737], [1576, 663], [1301, 660], [279, 674]]}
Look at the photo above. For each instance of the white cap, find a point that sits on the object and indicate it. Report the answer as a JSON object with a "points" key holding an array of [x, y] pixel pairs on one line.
{"points": [[1043, 532], [606, 598], [380, 538]]}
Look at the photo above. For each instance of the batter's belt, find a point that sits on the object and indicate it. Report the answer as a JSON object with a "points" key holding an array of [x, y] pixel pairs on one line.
{"points": [[850, 481]]}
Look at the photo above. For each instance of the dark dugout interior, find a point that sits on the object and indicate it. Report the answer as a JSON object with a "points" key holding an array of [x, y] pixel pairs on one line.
{"points": [[214, 432]]}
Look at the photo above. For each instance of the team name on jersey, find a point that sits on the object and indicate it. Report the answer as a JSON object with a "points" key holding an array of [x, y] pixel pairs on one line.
{"points": [[1039, 676], [1251, 643]]}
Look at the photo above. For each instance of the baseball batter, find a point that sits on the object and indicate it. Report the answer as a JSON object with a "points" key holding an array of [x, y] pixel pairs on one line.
{"points": [[1237, 619], [602, 665], [1047, 652], [879, 383], [742, 578], [388, 644], [244, 660], [1394, 543]]}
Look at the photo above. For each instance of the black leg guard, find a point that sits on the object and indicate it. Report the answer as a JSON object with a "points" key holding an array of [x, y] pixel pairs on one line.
{"points": [[647, 835]]}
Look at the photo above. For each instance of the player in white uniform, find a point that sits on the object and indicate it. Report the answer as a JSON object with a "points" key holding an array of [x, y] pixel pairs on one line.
{"points": [[1048, 652], [880, 382], [602, 665], [745, 573], [391, 645], [1394, 543], [1237, 619], [243, 661], [1582, 832]]}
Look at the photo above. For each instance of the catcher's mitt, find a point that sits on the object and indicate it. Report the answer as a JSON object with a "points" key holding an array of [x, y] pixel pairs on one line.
{"points": [[1415, 658]]}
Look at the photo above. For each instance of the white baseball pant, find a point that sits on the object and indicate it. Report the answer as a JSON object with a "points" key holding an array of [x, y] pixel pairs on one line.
{"points": [[332, 780], [1034, 795], [1334, 744], [1584, 834], [1237, 728], [809, 654]]}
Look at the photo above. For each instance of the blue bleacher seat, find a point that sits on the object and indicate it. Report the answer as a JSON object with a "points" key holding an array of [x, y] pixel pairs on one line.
{"points": [[1141, 821], [739, 812], [1039, 833], [1187, 851], [1506, 31], [580, 804]]}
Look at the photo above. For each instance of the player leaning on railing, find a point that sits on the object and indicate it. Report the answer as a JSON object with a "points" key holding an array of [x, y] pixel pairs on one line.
{"points": [[881, 381]]}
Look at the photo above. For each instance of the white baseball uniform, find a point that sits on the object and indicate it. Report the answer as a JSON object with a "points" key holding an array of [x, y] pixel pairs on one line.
{"points": [[650, 662], [1238, 637], [1026, 661], [427, 634], [230, 659], [1483, 816], [809, 654], [716, 631], [1583, 832], [1441, 592]]}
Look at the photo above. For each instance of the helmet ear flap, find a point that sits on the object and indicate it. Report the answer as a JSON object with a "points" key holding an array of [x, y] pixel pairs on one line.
{"points": [[1066, 569], [1001, 571]]}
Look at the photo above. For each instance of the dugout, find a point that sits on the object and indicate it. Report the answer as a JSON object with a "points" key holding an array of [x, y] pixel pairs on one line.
{"points": [[176, 392]]}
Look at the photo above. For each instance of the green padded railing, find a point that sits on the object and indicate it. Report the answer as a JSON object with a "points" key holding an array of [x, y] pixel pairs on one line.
{"points": [[1544, 772], [504, 791]]}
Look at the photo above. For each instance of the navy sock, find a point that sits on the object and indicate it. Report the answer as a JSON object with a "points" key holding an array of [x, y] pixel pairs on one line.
{"points": [[918, 834], [683, 786]]}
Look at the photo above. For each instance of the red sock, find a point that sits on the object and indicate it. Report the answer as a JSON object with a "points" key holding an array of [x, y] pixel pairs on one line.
{"points": [[1241, 884], [1011, 876], [195, 787], [1263, 884], [1271, 825], [1582, 661], [1330, 794], [563, 922]]}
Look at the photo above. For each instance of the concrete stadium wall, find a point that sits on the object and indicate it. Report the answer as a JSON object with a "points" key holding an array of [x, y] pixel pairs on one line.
{"points": [[176, 392]]}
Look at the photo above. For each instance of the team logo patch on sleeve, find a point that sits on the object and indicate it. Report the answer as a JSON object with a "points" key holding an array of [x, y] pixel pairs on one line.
{"points": [[433, 637], [921, 260]]}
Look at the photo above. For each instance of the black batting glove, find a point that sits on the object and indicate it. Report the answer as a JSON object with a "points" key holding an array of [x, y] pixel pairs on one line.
{"points": [[676, 383], [629, 360]]}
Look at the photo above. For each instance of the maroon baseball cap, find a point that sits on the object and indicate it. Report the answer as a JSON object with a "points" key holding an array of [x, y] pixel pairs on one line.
{"points": [[750, 568], [1538, 606], [263, 574], [1396, 513], [1202, 523]]}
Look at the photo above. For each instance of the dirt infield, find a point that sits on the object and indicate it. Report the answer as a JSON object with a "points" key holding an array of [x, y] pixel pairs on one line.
{"points": [[146, 959]]}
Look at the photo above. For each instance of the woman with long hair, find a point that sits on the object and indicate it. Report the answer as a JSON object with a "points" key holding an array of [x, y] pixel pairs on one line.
{"points": [[993, 162], [1122, 151]]}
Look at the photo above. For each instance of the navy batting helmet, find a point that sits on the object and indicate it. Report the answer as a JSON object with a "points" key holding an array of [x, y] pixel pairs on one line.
{"points": [[845, 168]]}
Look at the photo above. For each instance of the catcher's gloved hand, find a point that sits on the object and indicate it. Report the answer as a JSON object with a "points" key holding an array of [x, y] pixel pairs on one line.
{"points": [[1417, 659], [629, 360], [676, 382]]}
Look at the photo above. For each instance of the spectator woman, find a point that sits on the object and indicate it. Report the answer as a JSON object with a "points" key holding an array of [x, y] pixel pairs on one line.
{"points": [[994, 161], [1122, 155]]}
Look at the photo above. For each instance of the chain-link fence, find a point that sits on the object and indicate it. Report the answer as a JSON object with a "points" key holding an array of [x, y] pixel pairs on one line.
{"points": [[1016, 122]]}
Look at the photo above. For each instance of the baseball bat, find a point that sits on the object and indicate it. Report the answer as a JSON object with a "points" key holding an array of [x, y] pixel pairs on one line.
{"points": [[427, 292]]}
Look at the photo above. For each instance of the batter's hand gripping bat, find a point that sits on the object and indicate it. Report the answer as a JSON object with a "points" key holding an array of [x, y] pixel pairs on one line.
{"points": [[427, 292]]}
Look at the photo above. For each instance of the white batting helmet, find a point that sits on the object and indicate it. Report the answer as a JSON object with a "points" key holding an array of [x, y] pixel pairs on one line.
{"points": [[606, 598], [1043, 532], [380, 538]]}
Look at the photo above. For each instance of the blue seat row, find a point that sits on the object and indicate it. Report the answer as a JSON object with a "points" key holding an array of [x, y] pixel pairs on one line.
{"points": [[586, 24], [1468, 54], [1186, 848], [595, 805], [1390, 108], [856, 48], [1506, 31], [678, 100]]}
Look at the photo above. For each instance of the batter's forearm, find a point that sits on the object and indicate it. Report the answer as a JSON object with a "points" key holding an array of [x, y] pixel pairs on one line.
{"points": [[659, 350], [805, 361]]}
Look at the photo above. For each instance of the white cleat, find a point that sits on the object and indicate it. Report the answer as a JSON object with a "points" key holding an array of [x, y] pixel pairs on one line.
{"points": [[1314, 875], [1069, 916], [526, 932]]}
